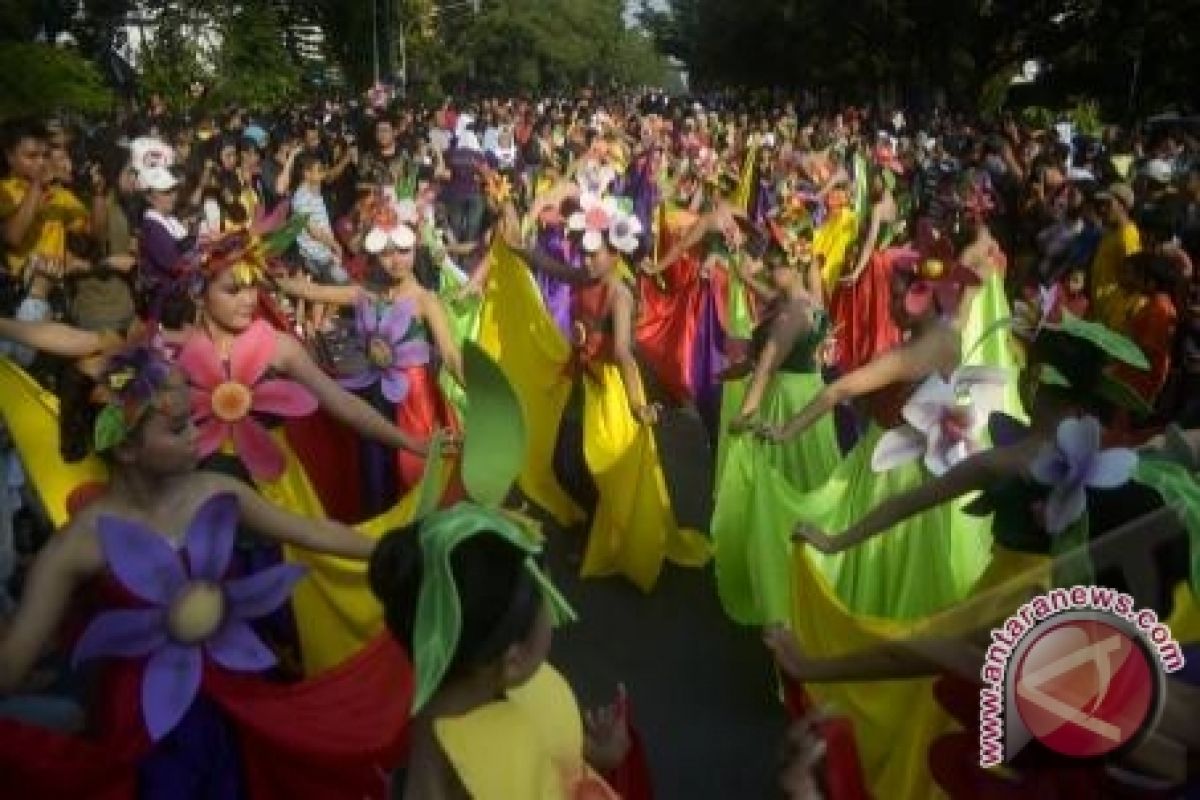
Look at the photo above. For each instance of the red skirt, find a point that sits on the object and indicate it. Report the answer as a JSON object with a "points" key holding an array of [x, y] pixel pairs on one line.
{"points": [[862, 312]]}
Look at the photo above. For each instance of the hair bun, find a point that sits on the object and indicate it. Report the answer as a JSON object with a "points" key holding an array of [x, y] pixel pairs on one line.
{"points": [[394, 576]]}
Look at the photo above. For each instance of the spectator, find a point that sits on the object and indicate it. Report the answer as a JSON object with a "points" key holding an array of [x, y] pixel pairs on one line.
{"points": [[1120, 241]]}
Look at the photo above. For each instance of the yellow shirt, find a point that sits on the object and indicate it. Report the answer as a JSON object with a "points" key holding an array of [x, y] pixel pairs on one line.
{"points": [[528, 746], [60, 211], [1111, 305]]}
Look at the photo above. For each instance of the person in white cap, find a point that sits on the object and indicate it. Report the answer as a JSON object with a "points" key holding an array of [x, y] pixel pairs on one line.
{"points": [[162, 238]]}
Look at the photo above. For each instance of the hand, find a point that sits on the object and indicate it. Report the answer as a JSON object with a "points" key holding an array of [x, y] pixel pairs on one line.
{"points": [[816, 538], [785, 649], [452, 442], [647, 414], [468, 291], [775, 434], [743, 422], [606, 734], [804, 752]]}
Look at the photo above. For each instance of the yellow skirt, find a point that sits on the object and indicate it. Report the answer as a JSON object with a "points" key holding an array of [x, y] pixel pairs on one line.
{"points": [[634, 528], [516, 331]]}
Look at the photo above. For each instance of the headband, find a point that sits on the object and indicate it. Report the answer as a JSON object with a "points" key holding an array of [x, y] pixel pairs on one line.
{"points": [[438, 624], [494, 448]]}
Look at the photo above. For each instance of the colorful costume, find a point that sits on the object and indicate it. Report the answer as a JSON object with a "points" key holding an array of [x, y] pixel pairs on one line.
{"points": [[750, 536], [633, 529]]}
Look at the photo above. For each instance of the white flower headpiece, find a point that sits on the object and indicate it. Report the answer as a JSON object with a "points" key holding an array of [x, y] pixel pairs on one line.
{"points": [[600, 217], [393, 225]]}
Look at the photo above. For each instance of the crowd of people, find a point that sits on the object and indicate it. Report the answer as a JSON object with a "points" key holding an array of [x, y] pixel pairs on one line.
{"points": [[339, 361]]}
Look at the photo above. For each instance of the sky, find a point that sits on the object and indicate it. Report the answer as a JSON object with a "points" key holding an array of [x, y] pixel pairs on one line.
{"points": [[631, 8]]}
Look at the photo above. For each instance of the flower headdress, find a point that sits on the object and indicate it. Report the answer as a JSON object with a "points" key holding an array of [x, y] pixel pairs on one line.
{"points": [[598, 218], [128, 386], [939, 277], [974, 198], [392, 226], [493, 451], [248, 251], [497, 186]]}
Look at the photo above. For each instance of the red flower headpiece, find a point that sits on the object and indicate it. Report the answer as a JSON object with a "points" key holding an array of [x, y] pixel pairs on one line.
{"points": [[939, 277]]}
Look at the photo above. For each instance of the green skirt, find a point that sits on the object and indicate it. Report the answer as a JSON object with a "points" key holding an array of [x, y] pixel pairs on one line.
{"points": [[751, 534], [923, 565]]}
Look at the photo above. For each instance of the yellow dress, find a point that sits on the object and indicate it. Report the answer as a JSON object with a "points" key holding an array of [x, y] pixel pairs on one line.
{"points": [[633, 528], [335, 612], [528, 745], [831, 242]]}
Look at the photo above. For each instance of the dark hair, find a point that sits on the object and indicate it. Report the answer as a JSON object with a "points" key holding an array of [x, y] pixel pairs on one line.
{"points": [[18, 130], [499, 599]]}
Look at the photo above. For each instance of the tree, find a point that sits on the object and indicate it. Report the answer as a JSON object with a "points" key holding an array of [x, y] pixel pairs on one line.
{"points": [[253, 68], [40, 80], [172, 60]]}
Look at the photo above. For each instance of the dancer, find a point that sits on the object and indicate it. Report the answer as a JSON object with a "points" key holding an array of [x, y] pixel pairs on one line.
{"points": [[633, 528], [400, 326], [887, 582], [746, 530], [171, 717]]}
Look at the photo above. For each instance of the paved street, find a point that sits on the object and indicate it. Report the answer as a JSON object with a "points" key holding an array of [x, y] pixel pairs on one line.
{"points": [[701, 688]]}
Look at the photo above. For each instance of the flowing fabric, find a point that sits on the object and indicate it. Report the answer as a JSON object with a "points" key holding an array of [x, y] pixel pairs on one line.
{"points": [[462, 314], [862, 311], [334, 737], [634, 527], [751, 535], [896, 722], [31, 415], [984, 345], [517, 333], [925, 564], [831, 244], [425, 411]]}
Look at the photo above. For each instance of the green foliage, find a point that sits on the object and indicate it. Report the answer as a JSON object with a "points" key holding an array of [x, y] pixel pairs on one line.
{"points": [[253, 68], [171, 62], [1128, 57], [37, 79]]}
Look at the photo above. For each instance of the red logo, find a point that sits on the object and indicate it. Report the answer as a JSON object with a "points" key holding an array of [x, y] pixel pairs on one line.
{"points": [[1085, 687]]}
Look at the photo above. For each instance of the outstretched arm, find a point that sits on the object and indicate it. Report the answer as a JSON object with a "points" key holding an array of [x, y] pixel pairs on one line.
{"points": [[350, 409], [905, 363], [319, 293], [52, 337], [270, 521], [787, 327], [889, 660], [972, 474], [693, 237]]}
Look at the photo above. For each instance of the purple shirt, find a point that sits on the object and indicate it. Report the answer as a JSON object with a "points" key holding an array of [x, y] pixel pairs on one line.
{"points": [[464, 168]]}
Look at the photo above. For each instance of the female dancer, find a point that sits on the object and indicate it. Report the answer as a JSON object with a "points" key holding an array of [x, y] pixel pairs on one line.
{"points": [[633, 528], [861, 299], [396, 324], [229, 359], [1034, 514], [985, 306], [491, 719], [787, 349], [148, 563], [888, 582]]}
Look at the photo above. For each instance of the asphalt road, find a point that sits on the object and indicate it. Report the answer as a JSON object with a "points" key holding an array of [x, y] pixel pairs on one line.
{"points": [[702, 689]]}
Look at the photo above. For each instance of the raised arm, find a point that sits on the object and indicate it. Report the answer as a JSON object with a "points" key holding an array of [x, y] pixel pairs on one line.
{"points": [[350, 409], [693, 237], [67, 560]]}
